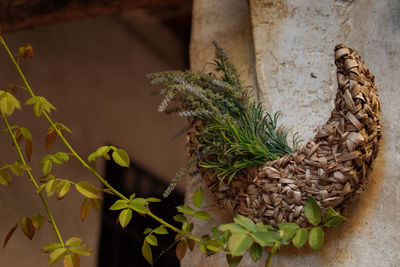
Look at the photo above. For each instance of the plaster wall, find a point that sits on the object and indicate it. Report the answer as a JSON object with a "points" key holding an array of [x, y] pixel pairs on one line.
{"points": [[293, 45]]}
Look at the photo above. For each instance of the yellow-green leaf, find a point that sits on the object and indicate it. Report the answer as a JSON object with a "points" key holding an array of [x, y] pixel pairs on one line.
{"points": [[202, 215], [46, 168], [5, 177], [125, 217], [300, 238], [87, 190], [27, 227], [101, 151], [51, 187], [312, 211], [38, 220], [239, 243], [57, 254], [198, 197], [152, 240], [72, 260], [121, 157], [81, 250], [74, 241], [8, 103], [85, 209], [63, 189], [146, 252], [51, 247], [316, 238], [119, 205]]}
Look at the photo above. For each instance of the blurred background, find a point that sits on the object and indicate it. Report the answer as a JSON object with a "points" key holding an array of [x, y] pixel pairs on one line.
{"points": [[90, 61]]}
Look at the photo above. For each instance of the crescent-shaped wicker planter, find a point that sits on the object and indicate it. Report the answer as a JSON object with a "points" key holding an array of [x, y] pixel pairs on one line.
{"points": [[331, 168]]}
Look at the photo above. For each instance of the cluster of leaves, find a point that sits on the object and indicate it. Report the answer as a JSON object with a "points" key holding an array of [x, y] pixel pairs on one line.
{"points": [[73, 248], [237, 133], [184, 239], [243, 235]]}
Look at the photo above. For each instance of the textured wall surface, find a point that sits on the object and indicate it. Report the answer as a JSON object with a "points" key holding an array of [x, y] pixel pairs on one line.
{"points": [[293, 46]]}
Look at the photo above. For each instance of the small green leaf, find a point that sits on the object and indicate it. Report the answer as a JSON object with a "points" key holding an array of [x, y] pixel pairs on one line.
{"points": [[332, 218], [202, 215], [147, 230], [81, 249], [288, 226], [5, 177], [187, 227], [264, 227], [233, 228], [101, 151], [85, 209], [46, 168], [266, 239], [51, 247], [161, 230], [316, 238], [8, 103], [152, 240], [181, 249], [214, 245], [38, 220], [57, 254], [74, 241], [51, 187], [245, 222], [153, 199], [239, 243], [125, 217], [198, 197], [121, 157], [233, 261], [185, 209], [300, 238], [119, 205], [26, 133], [146, 252], [87, 190], [312, 211], [180, 218], [140, 208], [92, 157], [255, 252], [62, 189], [71, 260]]}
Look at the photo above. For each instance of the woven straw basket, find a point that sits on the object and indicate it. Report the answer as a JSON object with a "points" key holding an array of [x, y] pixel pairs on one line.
{"points": [[331, 168]]}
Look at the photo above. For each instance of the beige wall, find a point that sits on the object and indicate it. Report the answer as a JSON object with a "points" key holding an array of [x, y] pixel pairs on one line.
{"points": [[290, 40], [93, 71]]}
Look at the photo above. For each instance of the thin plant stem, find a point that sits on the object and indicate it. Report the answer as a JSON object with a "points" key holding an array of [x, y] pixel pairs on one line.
{"points": [[76, 155], [32, 179], [271, 254]]}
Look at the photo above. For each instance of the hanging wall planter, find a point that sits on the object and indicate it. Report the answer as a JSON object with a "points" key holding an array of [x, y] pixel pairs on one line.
{"points": [[258, 175]]}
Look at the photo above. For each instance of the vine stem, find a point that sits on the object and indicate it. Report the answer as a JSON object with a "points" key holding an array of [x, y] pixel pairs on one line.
{"points": [[270, 254], [76, 155], [32, 179]]}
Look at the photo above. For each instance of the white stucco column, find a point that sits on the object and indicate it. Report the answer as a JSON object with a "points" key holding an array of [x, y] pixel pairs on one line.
{"points": [[292, 42]]}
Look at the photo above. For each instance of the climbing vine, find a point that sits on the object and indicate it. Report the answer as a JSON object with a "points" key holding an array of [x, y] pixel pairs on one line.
{"points": [[250, 142]]}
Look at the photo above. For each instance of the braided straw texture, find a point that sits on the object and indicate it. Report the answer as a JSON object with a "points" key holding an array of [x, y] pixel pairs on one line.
{"points": [[331, 168]]}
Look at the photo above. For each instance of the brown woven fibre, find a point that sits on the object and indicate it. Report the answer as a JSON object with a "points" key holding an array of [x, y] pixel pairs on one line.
{"points": [[331, 168]]}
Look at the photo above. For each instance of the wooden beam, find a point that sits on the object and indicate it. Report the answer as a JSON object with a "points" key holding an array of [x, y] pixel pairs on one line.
{"points": [[19, 14]]}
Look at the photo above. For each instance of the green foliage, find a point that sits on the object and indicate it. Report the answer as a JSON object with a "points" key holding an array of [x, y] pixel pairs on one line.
{"points": [[312, 211], [237, 132]]}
